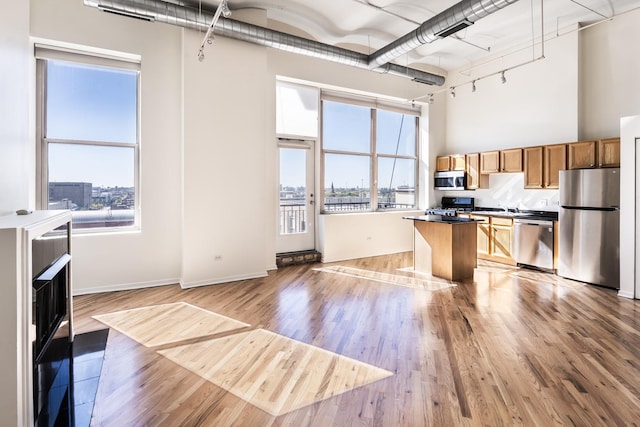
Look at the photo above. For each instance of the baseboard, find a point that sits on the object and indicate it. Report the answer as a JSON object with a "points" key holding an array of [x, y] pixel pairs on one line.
{"points": [[626, 294], [272, 267], [220, 280], [125, 287]]}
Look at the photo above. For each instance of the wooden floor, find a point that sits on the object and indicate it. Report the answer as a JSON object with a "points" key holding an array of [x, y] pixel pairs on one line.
{"points": [[513, 347]]}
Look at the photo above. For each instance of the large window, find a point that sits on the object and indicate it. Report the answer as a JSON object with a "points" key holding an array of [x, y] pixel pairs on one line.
{"points": [[88, 133], [369, 157]]}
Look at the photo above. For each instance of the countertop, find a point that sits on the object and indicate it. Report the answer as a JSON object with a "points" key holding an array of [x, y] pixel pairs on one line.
{"points": [[442, 219]]}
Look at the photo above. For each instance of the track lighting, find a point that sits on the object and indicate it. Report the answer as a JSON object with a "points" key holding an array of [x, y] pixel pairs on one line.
{"points": [[223, 9], [503, 79], [473, 86], [452, 92]]}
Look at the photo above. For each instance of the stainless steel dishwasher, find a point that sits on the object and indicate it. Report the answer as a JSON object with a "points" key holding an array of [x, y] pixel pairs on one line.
{"points": [[533, 242]]}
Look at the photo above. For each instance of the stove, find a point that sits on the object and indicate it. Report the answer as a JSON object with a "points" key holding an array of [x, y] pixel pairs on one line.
{"points": [[450, 206], [442, 211]]}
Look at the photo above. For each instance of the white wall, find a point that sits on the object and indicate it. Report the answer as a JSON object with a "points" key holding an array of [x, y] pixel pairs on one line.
{"points": [[16, 109], [151, 256], [225, 191], [537, 105], [349, 236], [629, 209], [610, 81]]}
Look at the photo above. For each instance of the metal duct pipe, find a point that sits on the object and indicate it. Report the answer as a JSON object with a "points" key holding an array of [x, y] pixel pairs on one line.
{"points": [[455, 18], [170, 13]]}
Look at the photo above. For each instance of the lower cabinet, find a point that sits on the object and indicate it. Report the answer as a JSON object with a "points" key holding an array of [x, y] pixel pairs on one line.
{"points": [[495, 239]]}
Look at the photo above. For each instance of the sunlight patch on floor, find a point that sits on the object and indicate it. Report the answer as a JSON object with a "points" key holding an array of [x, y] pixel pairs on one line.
{"points": [[168, 323], [392, 279], [272, 372]]}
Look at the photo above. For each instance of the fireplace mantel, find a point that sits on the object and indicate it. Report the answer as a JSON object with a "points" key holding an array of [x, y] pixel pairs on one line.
{"points": [[16, 235]]}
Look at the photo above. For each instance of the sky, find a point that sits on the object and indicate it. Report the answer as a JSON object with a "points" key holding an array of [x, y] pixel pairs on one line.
{"points": [[90, 103], [347, 127]]}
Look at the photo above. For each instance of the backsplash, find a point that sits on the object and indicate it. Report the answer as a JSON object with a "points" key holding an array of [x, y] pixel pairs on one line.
{"points": [[506, 190]]}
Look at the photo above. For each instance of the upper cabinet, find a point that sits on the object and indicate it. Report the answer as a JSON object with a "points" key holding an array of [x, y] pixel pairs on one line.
{"points": [[533, 167], [473, 171], [442, 163], [501, 161], [489, 162], [609, 153], [511, 160], [455, 162], [555, 160], [582, 155], [542, 165]]}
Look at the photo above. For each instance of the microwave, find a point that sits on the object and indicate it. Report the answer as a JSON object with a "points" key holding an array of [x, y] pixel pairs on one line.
{"points": [[451, 180]]}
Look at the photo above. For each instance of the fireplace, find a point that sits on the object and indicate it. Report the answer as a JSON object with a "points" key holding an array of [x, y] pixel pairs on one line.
{"points": [[51, 331]]}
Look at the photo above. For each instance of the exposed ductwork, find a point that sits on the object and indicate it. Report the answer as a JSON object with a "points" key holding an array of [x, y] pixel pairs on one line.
{"points": [[452, 20], [161, 11]]}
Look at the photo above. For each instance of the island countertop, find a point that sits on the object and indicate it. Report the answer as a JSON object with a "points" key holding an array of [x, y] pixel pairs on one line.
{"points": [[440, 218]]}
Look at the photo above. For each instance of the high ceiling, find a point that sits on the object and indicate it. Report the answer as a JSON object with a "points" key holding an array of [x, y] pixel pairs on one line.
{"points": [[368, 25]]}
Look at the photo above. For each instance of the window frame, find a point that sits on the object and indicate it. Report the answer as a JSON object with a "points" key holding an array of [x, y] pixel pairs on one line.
{"points": [[374, 106], [45, 53]]}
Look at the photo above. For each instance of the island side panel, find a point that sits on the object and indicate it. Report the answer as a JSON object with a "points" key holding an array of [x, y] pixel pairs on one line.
{"points": [[465, 250], [438, 241], [422, 252]]}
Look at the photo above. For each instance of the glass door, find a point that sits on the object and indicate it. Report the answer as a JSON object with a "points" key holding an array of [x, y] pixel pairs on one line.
{"points": [[296, 229]]}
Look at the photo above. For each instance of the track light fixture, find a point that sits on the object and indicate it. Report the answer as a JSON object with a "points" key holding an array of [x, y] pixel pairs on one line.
{"points": [[452, 92], [503, 79], [223, 9], [473, 86]]}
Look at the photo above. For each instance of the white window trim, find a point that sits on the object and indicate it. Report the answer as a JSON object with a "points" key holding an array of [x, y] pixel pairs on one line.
{"points": [[98, 57], [373, 104]]}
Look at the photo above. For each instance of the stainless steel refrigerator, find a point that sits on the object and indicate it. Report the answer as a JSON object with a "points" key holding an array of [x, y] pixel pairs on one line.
{"points": [[589, 226]]}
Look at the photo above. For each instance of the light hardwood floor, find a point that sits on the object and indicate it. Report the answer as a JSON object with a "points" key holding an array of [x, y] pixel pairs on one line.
{"points": [[512, 347]]}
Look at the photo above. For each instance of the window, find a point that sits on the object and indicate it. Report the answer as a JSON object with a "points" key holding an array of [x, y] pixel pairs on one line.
{"points": [[369, 157], [88, 133]]}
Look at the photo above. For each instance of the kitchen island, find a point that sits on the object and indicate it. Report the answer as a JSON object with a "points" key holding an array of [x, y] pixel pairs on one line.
{"points": [[444, 246]]}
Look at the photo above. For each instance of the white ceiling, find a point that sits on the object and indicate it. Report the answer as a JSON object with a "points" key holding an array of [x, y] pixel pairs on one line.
{"points": [[368, 25]]}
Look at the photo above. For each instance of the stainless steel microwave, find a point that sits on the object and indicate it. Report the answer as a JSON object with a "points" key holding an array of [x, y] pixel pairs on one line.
{"points": [[451, 180]]}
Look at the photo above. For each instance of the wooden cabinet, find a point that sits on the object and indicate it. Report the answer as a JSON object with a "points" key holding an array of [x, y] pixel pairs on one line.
{"points": [[581, 155], [489, 162], [502, 238], [542, 165], [484, 234], [473, 171], [555, 160], [495, 239], [609, 153], [511, 160], [533, 167], [442, 163], [501, 161], [455, 162]]}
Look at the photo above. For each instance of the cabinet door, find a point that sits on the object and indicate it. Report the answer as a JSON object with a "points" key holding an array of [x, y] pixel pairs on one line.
{"points": [[501, 241], [582, 155], [533, 160], [609, 153], [490, 162], [555, 160], [457, 162], [442, 163], [484, 237], [511, 160], [473, 176]]}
